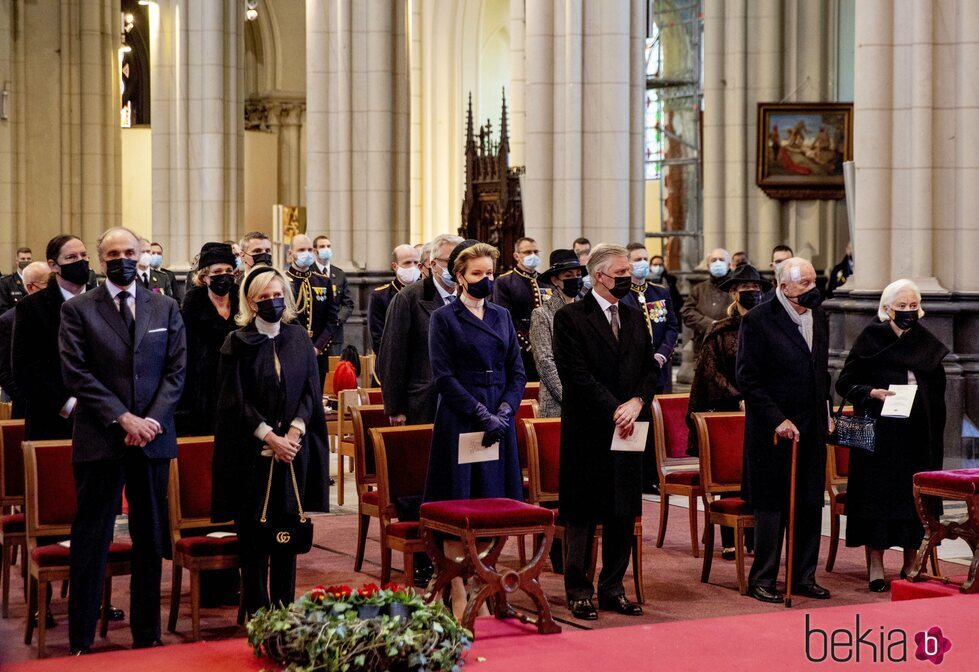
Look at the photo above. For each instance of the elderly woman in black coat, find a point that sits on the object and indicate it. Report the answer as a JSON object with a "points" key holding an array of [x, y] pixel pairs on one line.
{"points": [[896, 350], [209, 310]]}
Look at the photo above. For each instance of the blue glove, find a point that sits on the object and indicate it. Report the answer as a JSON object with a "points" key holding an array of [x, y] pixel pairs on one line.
{"points": [[493, 426], [504, 413]]}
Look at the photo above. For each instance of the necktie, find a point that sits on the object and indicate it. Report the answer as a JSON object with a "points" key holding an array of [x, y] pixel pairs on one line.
{"points": [[450, 298], [125, 313], [613, 312], [146, 280]]}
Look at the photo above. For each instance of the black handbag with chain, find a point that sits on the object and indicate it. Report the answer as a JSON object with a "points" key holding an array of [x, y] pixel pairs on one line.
{"points": [[853, 431], [284, 537]]}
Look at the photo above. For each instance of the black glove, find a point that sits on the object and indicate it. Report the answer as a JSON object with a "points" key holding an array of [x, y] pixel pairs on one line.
{"points": [[493, 426]]}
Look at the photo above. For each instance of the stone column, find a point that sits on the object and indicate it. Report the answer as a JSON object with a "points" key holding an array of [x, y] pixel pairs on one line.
{"points": [[356, 110], [516, 94], [539, 53], [198, 123], [290, 165]]}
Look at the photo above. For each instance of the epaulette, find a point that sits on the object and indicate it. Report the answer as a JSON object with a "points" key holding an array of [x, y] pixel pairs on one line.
{"points": [[506, 274], [382, 287]]}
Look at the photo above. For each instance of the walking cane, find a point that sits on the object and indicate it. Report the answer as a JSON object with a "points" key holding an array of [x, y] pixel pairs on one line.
{"points": [[791, 524]]}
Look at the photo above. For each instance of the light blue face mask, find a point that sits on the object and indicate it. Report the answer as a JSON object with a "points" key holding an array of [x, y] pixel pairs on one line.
{"points": [[640, 269], [238, 263], [718, 268], [304, 259], [531, 261], [325, 253], [586, 282], [447, 277], [656, 270], [156, 260]]}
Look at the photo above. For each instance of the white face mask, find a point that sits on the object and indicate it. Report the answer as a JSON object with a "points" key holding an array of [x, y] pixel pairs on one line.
{"points": [[718, 268], [408, 275], [145, 259]]}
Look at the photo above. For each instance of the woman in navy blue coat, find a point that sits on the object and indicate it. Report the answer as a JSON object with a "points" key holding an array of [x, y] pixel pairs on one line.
{"points": [[480, 378]]}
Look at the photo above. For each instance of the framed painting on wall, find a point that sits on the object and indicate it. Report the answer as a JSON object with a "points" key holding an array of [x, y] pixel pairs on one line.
{"points": [[801, 149]]}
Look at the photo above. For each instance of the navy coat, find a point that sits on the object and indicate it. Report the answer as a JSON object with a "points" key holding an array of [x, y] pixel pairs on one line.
{"points": [[473, 361], [661, 319], [780, 379]]}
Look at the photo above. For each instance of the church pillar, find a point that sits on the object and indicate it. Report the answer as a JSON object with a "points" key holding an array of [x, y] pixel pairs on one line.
{"points": [[198, 122], [356, 117], [537, 187], [290, 134], [516, 93]]}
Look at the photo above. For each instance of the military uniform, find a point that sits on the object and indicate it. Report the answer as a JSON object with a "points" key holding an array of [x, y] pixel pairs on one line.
{"points": [[11, 291], [317, 312], [377, 310], [155, 281], [520, 293]]}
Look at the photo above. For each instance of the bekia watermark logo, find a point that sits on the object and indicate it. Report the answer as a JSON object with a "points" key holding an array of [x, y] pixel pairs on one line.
{"points": [[874, 644]]}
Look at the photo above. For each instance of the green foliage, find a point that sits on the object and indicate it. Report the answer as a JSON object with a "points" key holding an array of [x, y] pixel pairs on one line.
{"points": [[321, 631]]}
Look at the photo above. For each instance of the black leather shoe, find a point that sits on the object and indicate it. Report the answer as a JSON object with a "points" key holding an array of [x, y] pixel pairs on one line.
{"points": [[422, 575], [728, 554], [814, 591], [583, 609], [118, 614], [620, 605], [765, 595], [49, 621], [904, 575], [80, 651], [878, 586], [147, 645]]}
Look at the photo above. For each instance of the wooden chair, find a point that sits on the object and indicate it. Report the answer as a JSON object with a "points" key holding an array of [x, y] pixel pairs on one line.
{"points": [[50, 506], [6, 410], [345, 441], [544, 460], [528, 409], [401, 455], [13, 526], [190, 514], [679, 474], [367, 363], [531, 391], [837, 475], [370, 395], [365, 418], [720, 437], [332, 362]]}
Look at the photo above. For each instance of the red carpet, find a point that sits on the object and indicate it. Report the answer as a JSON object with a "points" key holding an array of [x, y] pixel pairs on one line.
{"points": [[773, 640], [905, 590]]}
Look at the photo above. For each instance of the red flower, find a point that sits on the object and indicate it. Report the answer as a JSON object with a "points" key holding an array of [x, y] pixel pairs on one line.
{"points": [[317, 594], [392, 586], [339, 592], [368, 590]]}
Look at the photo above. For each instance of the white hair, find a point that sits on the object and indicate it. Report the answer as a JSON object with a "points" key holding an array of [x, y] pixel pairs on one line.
{"points": [[443, 239], [890, 293], [601, 257], [783, 272]]}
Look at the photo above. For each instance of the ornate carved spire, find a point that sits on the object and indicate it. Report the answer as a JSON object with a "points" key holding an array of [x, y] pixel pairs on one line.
{"points": [[504, 128], [470, 141]]}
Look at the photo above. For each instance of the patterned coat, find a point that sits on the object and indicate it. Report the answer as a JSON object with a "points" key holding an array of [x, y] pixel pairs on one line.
{"points": [[541, 340]]}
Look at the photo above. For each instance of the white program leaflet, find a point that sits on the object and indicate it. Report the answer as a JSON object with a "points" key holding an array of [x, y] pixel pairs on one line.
{"points": [[471, 449], [899, 405], [635, 443]]}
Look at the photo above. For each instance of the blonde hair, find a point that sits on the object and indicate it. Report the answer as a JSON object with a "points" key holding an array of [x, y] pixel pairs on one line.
{"points": [[197, 277], [602, 255], [474, 252], [890, 293], [256, 282]]}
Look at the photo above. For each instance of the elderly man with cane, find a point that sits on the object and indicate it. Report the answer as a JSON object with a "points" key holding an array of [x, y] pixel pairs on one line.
{"points": [[782, 371]]}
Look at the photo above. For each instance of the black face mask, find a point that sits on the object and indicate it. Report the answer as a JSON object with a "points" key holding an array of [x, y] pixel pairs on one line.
{"points": [[810, 299], [905, 319], [621, 288], [749, 299], [481, 289], [221, 284], [76, 272], [264, 258], [271, 310], [121, 272], [572, 286]]}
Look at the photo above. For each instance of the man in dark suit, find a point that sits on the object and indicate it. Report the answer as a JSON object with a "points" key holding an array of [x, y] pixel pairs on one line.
{"points": [[403, 366], [336, 295], [12, 287], [147, 276], [404, 263], [48, 405], [782, 372], [123, 355], [520, 291], [314, 310], [156, 263], [35, 276], [604, 357]]}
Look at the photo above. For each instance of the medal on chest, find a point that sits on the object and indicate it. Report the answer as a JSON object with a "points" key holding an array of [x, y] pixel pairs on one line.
{"points": [[656, 310]]}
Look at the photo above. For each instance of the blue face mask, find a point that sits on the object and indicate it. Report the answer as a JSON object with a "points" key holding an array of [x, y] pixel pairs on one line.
{"points": [[481, 289], [531, 261], [238, 263], [156, 260], [718, 268], [304, 259], [447, 277], [325, 253], [586, 282], [640, 269]]}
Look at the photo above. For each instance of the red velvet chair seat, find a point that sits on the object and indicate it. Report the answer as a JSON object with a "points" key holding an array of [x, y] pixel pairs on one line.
{"points": [[482, 513], [54, 555], [202, 547], [733, 506], [13, 523], [370, 497], [962, 481], [685, 477], [404, 530]]}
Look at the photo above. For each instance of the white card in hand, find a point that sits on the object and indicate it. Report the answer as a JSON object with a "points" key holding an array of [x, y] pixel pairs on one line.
{"points": [[635, 443], [899, 405], [471, 449], [220, 535]]}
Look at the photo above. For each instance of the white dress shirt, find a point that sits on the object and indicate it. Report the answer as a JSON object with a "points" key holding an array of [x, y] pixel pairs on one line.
{"points": [[68, 295], [114, 293], [444, 294], [604, 304]]}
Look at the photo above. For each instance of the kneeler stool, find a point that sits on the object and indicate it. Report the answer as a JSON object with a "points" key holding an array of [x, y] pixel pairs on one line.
{"points": [[955, 484], [491, 520]]}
